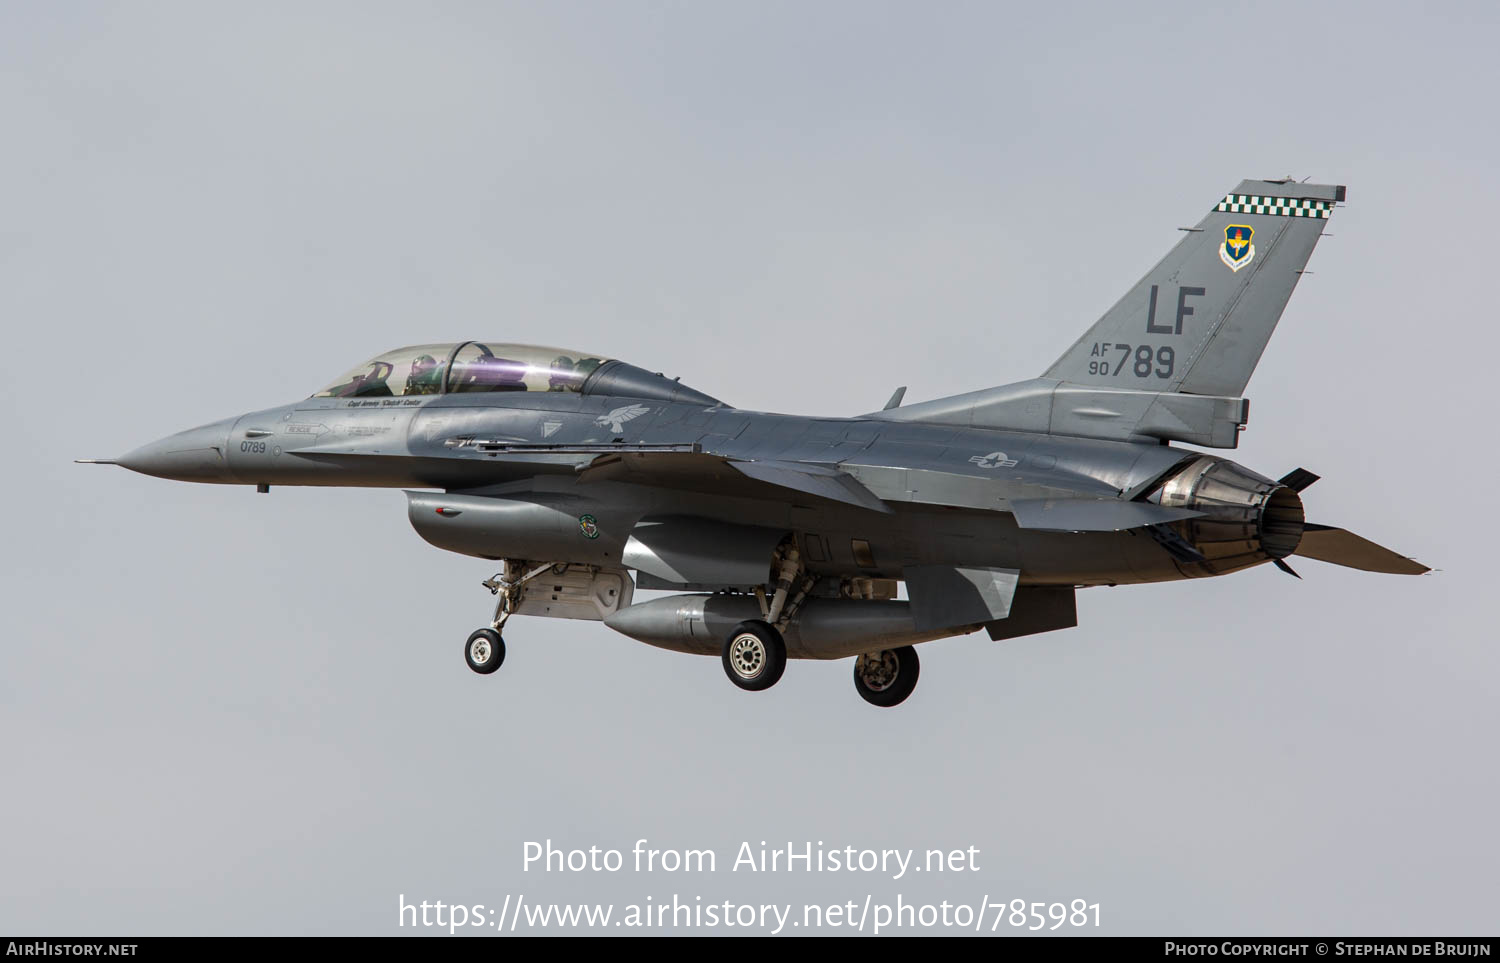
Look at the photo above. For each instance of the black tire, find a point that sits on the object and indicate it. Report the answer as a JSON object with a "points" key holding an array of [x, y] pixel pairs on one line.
{"points": [[754, 655], [484, 651], [892, 681]]}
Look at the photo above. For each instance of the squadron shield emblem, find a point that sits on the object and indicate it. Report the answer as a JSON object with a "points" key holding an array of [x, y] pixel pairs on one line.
{"points": [[589, 526], [1237, 251]]}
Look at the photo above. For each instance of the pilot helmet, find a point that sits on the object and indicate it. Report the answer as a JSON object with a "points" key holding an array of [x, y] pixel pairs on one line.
{"points": [[562, 377], [424, 377]]}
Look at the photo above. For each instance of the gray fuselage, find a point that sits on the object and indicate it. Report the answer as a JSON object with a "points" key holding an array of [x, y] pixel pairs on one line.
{"points": [[949, 488]]}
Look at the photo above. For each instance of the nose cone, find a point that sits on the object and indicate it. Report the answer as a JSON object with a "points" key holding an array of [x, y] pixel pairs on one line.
{"points": [[193, 455]]}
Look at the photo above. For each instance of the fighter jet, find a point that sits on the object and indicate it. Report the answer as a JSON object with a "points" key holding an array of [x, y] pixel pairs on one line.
{"points": [[585, 478]]}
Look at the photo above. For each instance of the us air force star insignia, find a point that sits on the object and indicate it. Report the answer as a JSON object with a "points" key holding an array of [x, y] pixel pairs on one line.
{"points": [[995, 459], [1237, 251], [615, 420]]}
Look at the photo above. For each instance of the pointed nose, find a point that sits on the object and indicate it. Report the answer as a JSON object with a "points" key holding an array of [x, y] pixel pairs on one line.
{"points": [[193, 455]]}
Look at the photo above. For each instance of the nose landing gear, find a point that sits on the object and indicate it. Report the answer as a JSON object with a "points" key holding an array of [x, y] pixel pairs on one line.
{"points": [[484, 651]]}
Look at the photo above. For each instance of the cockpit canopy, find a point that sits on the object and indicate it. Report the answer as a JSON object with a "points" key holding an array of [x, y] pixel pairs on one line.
{"points": [[434, 369], [475, 366]]}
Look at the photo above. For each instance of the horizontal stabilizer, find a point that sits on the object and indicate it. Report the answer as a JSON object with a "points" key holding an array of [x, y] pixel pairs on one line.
{"points": [[1092, 514], [1341, 547]]}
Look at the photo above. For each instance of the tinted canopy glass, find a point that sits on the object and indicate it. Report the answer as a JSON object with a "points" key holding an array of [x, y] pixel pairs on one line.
{"points": [[478, 366], [430, 369]]}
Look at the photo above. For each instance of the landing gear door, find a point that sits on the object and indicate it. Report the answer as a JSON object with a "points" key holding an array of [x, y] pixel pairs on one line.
{"points": [[577, 592]]}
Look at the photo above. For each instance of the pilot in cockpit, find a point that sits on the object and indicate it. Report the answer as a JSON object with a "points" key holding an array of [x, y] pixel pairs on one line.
{"points": [[562, 373], [426, 376], [568, 375]]}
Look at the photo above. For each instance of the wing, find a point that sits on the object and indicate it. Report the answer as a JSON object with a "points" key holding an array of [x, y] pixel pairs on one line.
{"points": [[688, 468]]}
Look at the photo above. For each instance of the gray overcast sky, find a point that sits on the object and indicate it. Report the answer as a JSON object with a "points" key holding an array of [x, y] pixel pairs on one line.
{"points": [[231, 713]]}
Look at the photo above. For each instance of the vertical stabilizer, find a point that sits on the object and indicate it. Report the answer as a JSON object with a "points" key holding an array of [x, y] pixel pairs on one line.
{"points": [[1198, 322]]}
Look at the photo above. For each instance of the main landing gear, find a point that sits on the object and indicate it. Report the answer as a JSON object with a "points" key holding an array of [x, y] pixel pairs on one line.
{"points": [[886, 678], [754, 655]]}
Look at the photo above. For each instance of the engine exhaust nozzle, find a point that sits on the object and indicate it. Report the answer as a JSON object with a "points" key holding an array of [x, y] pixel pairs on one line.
{"points": [[1247, 518]]}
